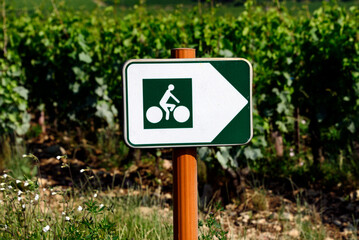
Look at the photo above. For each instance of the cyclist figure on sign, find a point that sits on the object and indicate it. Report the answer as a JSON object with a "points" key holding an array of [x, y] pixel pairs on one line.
{"points": [[167, 107]]}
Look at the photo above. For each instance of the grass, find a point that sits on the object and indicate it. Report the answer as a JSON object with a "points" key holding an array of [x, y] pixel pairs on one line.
{"points": [[11, 158], [156, 5], [31, 211], [211, 228], [46, 4], [113, 149], [306, 221], [87, 216]]}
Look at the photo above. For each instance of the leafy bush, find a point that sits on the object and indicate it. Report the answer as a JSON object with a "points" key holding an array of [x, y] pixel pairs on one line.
{"points": [[306, 80], [13, 97], [326, 80]]}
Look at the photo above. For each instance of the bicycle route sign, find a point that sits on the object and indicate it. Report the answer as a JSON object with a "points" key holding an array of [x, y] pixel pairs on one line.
{"points": [[187, 102]]}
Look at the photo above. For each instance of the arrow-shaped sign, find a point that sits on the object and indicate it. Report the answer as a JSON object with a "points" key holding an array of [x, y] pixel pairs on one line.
{"points": [[186, 103]]}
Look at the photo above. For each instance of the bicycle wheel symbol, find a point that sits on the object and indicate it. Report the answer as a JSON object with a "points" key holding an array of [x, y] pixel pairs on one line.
{"points": [[181, 114], [154, 114]]}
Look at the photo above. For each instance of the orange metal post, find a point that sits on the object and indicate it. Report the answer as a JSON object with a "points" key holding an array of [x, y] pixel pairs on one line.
{"points": [[185, 208]]}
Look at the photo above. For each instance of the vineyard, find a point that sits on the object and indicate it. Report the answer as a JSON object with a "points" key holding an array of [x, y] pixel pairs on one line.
{"points": [[61, 70]]}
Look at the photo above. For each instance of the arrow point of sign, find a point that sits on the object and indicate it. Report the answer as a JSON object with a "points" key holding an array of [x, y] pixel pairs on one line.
{"points": [[218, 104]]}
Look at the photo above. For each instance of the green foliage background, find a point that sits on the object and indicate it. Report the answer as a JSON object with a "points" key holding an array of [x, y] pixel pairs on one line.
{"points": [[306, 77]]}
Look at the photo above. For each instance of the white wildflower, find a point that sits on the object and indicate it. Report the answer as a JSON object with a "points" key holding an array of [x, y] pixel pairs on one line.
{"points": [[47, 228], [4, 176], [44, 189], [63, 213], [9, 187], [19, 192], [58, 157], [26, 183], [18, 181], [79, 209], [53, 193], [24, 155], [67, 218], [101, 205], [2, 184], [5, 226], [19, 199], [2, 189], [95, 195], [37, 197], [303, 121], [23, 206], [82, 170], [291, 152]]}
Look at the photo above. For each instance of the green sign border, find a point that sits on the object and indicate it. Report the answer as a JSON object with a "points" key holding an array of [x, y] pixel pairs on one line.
{"points": [[229, 68]]}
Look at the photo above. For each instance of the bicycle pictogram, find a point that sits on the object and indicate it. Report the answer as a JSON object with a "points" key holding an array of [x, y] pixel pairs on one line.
{"points": [[180, 113]]}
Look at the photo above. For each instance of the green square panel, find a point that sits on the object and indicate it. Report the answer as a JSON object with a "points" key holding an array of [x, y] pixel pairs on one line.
{"points": [[167, 103]]}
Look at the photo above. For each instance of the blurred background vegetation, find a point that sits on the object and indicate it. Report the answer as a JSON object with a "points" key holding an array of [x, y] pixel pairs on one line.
{"points": [[61, 64]]}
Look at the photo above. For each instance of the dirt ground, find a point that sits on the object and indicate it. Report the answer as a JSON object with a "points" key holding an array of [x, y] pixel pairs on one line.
{"points": [[260, 213]]}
